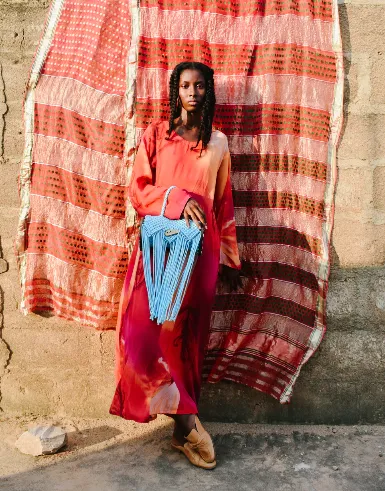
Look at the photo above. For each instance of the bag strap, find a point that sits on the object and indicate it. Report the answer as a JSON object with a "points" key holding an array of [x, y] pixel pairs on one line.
{"points": [[165, 199]]}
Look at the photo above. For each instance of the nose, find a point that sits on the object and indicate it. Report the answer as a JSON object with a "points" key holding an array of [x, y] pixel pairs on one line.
{"points": [[193, 91]]}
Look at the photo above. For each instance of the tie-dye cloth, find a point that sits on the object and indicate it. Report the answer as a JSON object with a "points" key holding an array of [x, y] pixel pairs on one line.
{"points": [[100, 77]]}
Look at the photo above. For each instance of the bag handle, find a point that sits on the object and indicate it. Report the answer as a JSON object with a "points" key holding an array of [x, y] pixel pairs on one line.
{"points": [[165, 199]]}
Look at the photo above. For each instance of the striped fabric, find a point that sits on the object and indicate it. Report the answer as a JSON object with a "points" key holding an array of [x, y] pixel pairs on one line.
{"points": [[72, 245], [101, 76]]}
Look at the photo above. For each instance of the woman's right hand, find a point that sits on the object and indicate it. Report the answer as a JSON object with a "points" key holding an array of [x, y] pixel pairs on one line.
{"points": [[193, 211]]}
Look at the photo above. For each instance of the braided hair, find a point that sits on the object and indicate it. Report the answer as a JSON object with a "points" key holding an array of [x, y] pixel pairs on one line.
{"points": [[208, 107]]}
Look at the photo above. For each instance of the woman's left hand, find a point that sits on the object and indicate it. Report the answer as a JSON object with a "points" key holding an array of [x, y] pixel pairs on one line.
{"points": [[230, 276]]}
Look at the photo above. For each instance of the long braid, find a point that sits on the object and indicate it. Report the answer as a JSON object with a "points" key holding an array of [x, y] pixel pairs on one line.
{"points": [[208, 108], [174, 97]]}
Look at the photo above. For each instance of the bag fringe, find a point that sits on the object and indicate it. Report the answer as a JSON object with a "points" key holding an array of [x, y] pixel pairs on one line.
{"points": [[166, 282]]}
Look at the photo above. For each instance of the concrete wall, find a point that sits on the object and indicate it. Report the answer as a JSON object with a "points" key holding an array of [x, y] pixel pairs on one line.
{"points": [[51, 366]]}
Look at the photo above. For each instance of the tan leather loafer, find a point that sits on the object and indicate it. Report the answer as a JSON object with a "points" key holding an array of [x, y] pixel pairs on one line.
{"points": [[201, 442], [193, 456], [209, 446]]}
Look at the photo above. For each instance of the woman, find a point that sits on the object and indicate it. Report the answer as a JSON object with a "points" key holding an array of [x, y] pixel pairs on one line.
{"points": [[159, 367]]}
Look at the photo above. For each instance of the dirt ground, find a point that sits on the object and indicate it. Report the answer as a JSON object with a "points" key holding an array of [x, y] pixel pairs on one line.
{"points": [[113, 455]]}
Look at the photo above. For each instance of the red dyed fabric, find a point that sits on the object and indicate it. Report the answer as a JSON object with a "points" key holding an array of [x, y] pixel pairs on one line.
{"points": [[279, 79], [100, 77], [159, 366], [72, 243]]}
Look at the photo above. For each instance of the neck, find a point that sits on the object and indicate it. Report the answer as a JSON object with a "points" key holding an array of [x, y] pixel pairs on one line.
{"points": [[191, 120]]}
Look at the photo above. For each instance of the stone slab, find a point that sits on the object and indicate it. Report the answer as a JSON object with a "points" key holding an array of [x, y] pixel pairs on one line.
{"points": [[314, 401], [379, 188], [20, 27], [3, 266], [354, 191], [362, 137], [362, 28], [55, 347], [5, 355], [9, 185], [358, 243]]}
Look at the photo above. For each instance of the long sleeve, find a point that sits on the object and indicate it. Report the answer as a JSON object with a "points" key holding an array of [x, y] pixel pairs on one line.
{"points": [[145, 196], [224, 208]]}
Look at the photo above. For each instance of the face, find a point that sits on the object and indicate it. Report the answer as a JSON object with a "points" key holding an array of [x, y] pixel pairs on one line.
{"points": [[192, 90]]}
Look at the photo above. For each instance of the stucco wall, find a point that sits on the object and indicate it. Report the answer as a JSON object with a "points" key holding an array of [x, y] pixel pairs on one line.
{"points": [[51, 366]]}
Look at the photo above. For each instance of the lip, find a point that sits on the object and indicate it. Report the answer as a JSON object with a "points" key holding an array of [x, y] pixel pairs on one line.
{"points": [[193, 103]]}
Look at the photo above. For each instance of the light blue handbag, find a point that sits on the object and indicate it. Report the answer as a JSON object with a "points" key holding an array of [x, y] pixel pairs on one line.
{"points": [[169, 250]]}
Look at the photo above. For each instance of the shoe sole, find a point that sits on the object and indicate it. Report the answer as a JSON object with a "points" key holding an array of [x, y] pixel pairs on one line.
{"points": [[208, 465]]}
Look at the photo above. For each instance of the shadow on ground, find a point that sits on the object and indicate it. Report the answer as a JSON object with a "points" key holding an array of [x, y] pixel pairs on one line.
{"points": [[250, 457], [81, 439]]}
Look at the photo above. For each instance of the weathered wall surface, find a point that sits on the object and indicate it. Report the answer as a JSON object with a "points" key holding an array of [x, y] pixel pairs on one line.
{"points": [[55, 367]]}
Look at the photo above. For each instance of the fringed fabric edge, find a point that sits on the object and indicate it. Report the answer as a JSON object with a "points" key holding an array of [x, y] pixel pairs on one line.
{"points": [[336, 121], [29, 120], [130, 122]]}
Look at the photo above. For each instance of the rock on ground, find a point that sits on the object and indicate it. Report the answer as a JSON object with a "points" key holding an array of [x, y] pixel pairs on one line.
{"points": [[41, 440]]}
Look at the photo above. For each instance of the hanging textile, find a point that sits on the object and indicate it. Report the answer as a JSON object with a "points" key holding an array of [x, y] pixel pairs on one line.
{"points": [[72, 246], [102, 78]]}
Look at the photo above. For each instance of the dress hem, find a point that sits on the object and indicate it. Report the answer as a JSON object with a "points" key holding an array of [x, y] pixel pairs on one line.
{"points": [[152, 417]]}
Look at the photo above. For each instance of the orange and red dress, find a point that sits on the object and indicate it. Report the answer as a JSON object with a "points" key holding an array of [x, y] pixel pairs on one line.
{"points": [[159, 366]]}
